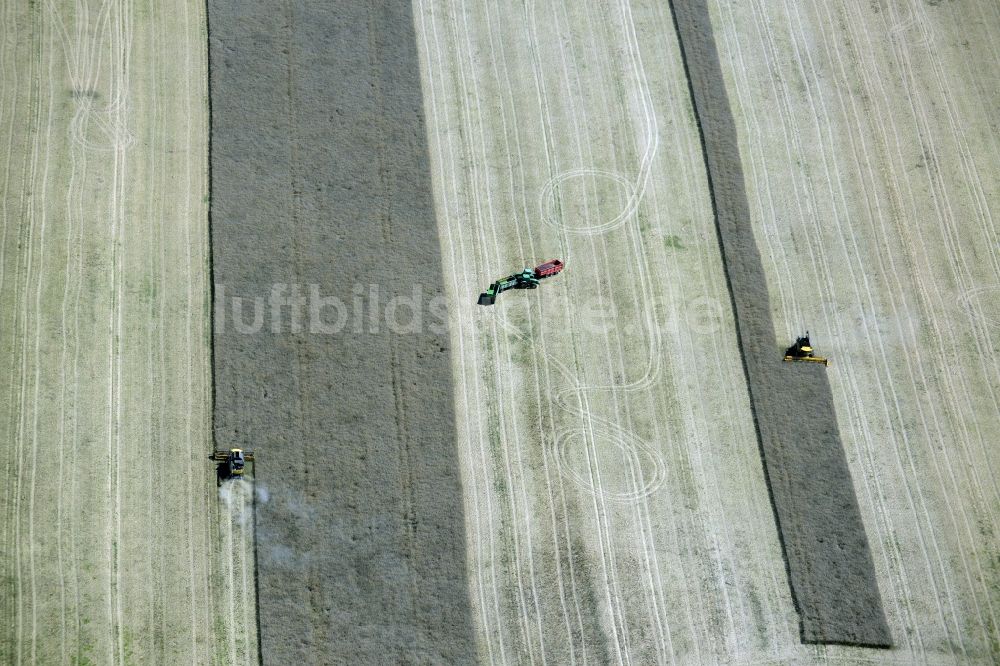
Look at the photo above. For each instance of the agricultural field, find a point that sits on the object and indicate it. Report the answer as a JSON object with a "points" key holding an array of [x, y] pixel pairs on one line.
{"points": [[609, 475], [114, 544], [616, 505]]}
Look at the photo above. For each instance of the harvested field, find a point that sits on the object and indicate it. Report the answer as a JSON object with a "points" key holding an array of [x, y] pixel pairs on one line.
{"points": [[615, 497], [872, 172], [823, 540], [114, 546], [570, 476]]}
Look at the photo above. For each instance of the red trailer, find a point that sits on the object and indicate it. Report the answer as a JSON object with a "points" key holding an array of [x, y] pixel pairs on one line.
{"points": [[548, 269]]}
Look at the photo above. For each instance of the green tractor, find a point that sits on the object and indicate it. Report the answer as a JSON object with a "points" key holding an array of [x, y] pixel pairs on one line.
{"points": [[526, 279]]}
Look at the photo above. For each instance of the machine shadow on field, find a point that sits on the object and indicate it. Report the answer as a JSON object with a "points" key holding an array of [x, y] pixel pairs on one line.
{"points": [[320, 177]]}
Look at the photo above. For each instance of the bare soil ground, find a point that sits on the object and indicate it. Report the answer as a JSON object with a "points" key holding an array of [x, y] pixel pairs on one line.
{"points": [[615, 500], [114, 544]]}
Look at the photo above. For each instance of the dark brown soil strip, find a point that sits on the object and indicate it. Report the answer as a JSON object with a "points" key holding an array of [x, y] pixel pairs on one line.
{"points": [[823, 538], [319, 176]]}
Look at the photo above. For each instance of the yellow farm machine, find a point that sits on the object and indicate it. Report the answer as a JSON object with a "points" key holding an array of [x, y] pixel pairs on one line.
{"points": [[803, 351], [231, 464]]}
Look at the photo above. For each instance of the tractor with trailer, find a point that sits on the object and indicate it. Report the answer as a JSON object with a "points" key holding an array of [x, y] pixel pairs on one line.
{"points": [[529, 278]]}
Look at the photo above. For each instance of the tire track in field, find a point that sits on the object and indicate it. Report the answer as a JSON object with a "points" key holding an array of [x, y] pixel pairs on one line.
{"points": [[84, 65], [495, 40], [10, 83], [7, 83], [121, 36], [491, 208], [463, 255], [959, 267], [72, 224], [600, 512], [9, 605], [569, 555], [195, 442], [75, 215], [584, 146], [512, 514], [82, 74], [30, 213], [473, 510], [911, 262], [788, 143], [609, 566], [938, 422], [37, 386], [155, 349], [781, 260], [647, 298], [14, 516], [608, 556]]}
